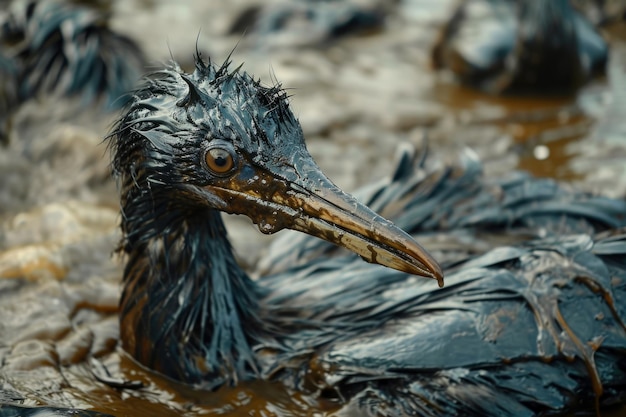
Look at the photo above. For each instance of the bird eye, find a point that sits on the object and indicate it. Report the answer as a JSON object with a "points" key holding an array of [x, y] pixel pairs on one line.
{"points": [[219, 160]]}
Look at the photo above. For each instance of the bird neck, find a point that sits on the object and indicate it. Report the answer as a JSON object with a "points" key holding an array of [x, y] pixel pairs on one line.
{"points": [[187, 309]]}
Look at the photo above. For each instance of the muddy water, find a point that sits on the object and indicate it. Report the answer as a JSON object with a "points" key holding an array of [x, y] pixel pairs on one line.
{"points": [[357, 99]]}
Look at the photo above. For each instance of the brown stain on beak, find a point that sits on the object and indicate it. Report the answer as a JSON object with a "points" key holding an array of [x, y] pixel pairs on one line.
{"points": [[314, 205]]}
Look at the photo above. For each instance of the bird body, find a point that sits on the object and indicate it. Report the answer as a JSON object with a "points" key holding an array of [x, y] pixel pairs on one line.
{"points": [[505, 46], [522, 329], [517, 331], [534, 325]]}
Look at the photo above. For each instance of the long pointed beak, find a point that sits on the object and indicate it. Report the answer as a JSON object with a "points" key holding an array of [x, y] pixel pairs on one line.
{"points": [[307, 201]]}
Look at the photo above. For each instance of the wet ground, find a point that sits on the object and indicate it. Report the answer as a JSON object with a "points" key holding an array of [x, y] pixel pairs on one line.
{"points": [[358, 98]]}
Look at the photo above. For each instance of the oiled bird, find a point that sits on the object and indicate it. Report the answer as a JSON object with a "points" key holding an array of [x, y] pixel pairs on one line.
{"points": [[520, 46], [529, 328], [69, 50]]}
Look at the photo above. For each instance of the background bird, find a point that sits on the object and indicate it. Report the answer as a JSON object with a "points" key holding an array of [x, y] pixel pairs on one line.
{"points": [[521, 47], [69, 50]]}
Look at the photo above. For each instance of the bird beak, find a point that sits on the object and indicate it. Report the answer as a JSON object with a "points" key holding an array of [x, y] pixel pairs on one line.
{"points": [[304, 199]]}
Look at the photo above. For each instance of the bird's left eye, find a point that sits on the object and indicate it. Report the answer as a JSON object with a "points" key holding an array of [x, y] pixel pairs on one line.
{"points": [[219, 160]]}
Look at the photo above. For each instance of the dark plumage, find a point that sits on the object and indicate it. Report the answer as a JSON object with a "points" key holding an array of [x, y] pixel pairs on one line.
{"points": [[533, 327], [69, 51], [170, 203]]}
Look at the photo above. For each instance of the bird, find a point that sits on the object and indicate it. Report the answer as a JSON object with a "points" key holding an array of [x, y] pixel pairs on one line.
{"points": [[53, 49], [532, 326], [520, 47]]}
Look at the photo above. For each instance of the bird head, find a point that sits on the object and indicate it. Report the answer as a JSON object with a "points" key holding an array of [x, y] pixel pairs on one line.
{"points": [[218, 139]]}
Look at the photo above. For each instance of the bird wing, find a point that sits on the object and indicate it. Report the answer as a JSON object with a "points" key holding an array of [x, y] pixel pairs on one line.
{"points": [[539, 323]]}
